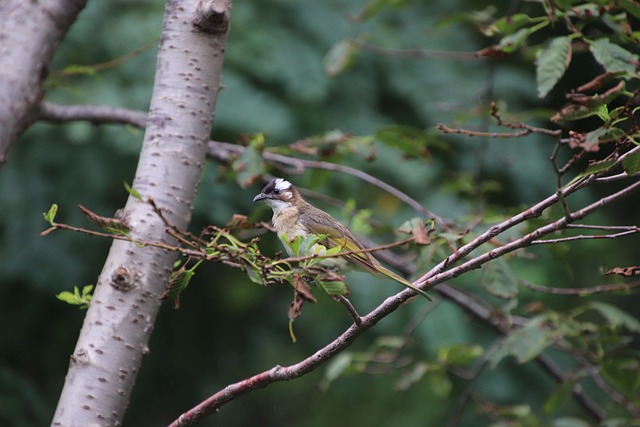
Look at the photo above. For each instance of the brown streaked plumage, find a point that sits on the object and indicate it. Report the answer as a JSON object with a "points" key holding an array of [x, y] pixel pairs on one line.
{"points": [[293, 216]]}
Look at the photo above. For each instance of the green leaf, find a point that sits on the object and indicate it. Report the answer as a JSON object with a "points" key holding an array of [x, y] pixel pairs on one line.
{"points": [[616, 317], [67, 297], [524, 343], [337, 367], [507, 25], [592, 139], [613, 57], [440, 383], [631, 6], [559, 397], [180, 279], [81, 299], [333, 287], [512, 42], [253, 274], [623, 373], [50, 216], [552, 63], [413, 376], [340, 57], [459, 354], [594, 168], [631, 163], [498, 279], [131, 191], [358, 219], [572, 422]]}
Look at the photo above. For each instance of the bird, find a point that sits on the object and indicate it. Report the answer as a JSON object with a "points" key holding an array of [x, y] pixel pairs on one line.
{"points": [[293, 217]]}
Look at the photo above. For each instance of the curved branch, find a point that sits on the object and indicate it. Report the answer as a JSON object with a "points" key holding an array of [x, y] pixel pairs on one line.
{"points": [[95, 114], [219, 151]]}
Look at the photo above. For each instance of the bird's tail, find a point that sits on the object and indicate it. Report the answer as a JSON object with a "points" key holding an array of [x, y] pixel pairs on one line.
{"points": [[391, 275]]}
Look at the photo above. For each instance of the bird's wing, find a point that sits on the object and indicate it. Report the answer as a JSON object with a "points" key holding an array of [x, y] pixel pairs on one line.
{"points": [[317, 221]]}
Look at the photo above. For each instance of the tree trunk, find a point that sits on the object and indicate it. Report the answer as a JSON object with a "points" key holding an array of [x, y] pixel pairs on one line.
{"points": [[29, 33], [120, 319]]}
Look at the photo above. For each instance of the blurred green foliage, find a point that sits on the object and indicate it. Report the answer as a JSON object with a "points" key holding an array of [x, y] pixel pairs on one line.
{"points": [[276, 83]]}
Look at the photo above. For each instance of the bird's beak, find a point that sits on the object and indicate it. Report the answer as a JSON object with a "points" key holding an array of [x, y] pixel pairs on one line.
{"points": [[259, 197]]}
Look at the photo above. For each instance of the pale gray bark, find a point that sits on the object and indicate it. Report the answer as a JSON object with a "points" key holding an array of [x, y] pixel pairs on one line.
{"points": [[117, 326], [29, 33]]}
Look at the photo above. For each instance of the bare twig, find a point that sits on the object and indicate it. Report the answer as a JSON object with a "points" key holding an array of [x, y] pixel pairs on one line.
{"points": [[586, 237], [221, 151], [95, 114], [351, 309], [414, 53], [434, 278], [614, 287]]}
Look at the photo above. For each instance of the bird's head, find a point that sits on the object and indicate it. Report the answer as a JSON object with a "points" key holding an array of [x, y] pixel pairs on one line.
{"points": [[278, 194]]}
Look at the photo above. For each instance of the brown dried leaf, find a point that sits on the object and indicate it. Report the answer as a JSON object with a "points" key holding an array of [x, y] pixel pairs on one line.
{"points": [[633, 270], [238, 221]]}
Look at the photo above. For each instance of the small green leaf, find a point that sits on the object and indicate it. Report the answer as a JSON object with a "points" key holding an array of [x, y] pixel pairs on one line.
{"points": [[592, 139], [559, 397], [507, 25], [524, 343], [131, 191], [337, 367], [50, 216], [333, 287], [552, 63], [180, 279], [440, 383], [512, 42], [571, 422], [623, 373], [498, 279], [613, 57], [253, 274], [81, 299], [631, 6], [67, 297], [86, 291], [413, 376], [631, 163], [616, 317], [594, 168], [459, 354], [340, 57]]}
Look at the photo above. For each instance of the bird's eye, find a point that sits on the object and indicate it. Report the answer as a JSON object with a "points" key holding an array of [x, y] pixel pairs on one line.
{"points": [[276, 191]]}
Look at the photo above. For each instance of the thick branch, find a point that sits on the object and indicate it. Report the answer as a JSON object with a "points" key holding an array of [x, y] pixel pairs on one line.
{"points": [[29, 33]]}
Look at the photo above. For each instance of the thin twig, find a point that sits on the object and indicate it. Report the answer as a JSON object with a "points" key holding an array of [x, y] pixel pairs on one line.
{"points": [[615, 395], [414, 53], [434, 278], [585, 237], [95, 114], [614, 287], [351, 309]]}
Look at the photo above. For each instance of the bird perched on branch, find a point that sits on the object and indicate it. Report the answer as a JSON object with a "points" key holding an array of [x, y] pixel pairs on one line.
{"points": [[293, 217]]}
